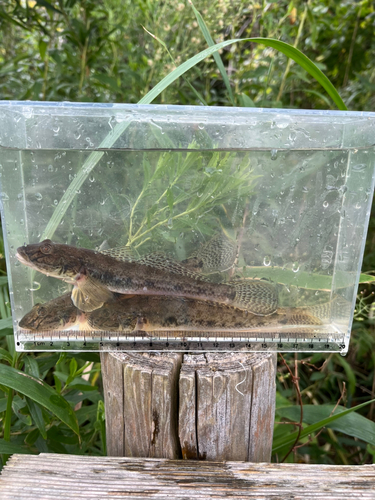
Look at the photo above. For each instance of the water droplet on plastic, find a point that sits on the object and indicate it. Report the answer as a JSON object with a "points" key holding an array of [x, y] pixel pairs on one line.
{"points": [[77, 135], [19, 197], [22, 222], [92, 178], [35, 286], [55, 202], [38, 196], [292, 137], [325, 204], [56, 129], [170, 223], [50, 168], [267, 261], [4, 196], [199, 195], [357, 205], [359, 167], [200, 126], [295, 267], [305, 190], [274, 154]]}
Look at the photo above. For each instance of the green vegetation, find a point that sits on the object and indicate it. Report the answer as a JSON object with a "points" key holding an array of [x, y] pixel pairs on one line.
{"points": [[81, 50]]}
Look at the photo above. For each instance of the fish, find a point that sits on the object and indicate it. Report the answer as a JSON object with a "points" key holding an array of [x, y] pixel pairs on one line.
{"points": [[155, 313], [97, 276]]}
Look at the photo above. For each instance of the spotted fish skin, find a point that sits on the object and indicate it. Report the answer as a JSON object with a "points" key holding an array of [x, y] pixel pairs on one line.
{"points": [[97, 276], [158, 313]]}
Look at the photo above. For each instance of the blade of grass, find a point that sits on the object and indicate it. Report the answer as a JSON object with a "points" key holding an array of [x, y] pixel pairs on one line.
{"points": [[40, 392], [197, 94], [112, 137], [290, 438], [203, 27]]}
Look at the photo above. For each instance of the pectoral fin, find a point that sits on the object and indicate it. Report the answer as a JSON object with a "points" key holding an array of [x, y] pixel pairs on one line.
{"points": [[88, 294], [257, 297]]}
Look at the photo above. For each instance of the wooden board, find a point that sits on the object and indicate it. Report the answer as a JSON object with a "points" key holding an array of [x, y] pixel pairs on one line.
{"points": [[51, 476]]}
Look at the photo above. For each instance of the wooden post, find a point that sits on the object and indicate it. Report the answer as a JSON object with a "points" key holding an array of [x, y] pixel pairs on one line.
{"points": [[141, 401], [211, 406]]}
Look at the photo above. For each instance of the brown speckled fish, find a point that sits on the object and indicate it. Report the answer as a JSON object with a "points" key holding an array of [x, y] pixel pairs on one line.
{"points": [[149, 313], [97, 276]]}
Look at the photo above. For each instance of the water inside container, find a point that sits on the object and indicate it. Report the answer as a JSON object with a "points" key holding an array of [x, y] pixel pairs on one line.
{"points": [[290, 219]]}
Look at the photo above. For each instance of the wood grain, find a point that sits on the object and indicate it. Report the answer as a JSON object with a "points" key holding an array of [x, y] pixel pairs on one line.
{"points": [[143, 388], [222, 407], [216, 406], [51, 476]]}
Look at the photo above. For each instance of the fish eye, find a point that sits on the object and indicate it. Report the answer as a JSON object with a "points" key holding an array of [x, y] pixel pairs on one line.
{"points": [[46, 248]]}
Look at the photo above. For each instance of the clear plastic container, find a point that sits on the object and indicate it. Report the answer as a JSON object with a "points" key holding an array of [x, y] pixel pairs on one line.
{"points": [[262, 213]]}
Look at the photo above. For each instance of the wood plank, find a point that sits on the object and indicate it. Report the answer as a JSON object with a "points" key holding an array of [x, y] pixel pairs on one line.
{"points": [[51, 476]]}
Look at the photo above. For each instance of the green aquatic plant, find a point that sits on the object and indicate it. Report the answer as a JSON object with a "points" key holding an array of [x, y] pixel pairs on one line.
{"points": [[184, 187]]}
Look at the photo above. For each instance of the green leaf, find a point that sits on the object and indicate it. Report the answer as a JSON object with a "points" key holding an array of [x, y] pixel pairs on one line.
{"points": [[353, 424], [109, 81], [48, 6], [4, 354], [10, 448], [3, 404], [42, 49], [31, 366], [246, 101], [210, 43], [37, 416], [352, 380], [6, 323], [40, 392], [290, 438], [366, 278]]}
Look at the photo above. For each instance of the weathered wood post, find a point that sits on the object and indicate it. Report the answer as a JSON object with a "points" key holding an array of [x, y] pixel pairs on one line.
{"points": [[203, 406]]}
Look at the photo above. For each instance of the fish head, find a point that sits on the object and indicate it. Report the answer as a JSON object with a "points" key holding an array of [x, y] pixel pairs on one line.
{"points": [[57, 314], [52, 259]]}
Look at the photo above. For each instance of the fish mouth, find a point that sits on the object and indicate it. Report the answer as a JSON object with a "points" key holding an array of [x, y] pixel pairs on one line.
{"points": [[23, 257]]}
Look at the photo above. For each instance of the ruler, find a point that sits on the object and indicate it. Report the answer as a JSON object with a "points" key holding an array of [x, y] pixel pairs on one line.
{"points": [[183, 341]]}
